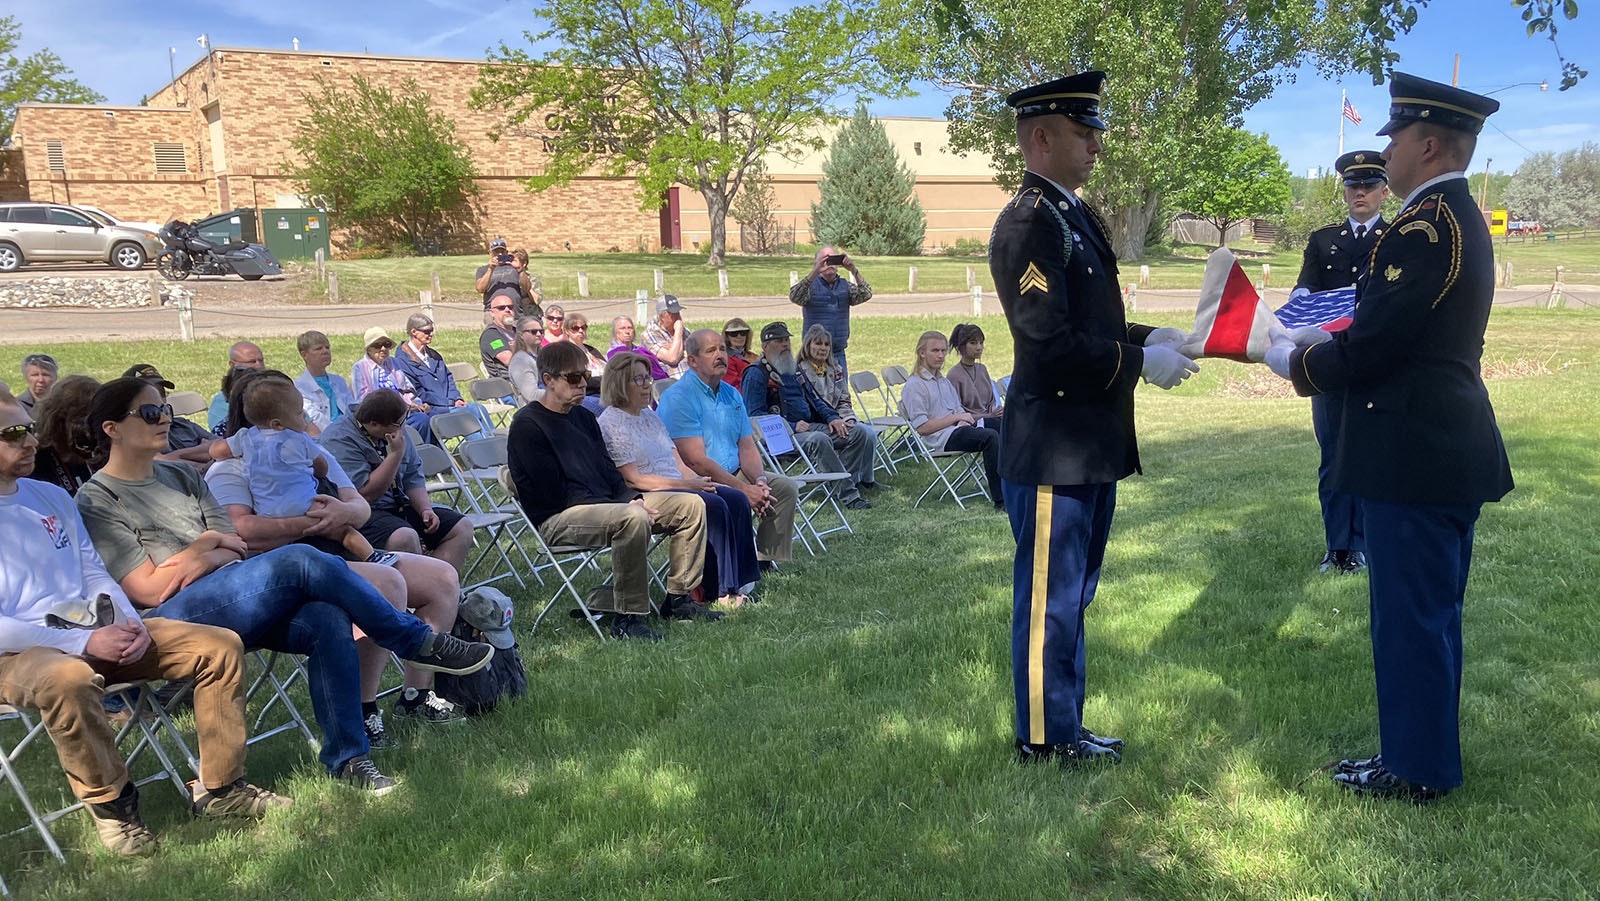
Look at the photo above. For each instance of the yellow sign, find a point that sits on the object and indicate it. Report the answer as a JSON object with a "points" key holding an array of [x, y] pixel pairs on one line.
{"points": [[1497, 222]]}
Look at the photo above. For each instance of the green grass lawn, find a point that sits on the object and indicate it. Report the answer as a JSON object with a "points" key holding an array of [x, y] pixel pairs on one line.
{"points": [[850, 736], [620, 275]]}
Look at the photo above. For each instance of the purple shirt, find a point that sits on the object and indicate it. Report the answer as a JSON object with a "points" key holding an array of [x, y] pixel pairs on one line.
{"points": [[657, 371]]}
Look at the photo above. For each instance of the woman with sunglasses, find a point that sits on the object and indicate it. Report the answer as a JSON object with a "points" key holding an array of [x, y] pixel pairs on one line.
{"points": [[65, 445], [638, 443], [577, 332], [524, 363], [555, 320], [377, 369], [175, 553], [736, 338]]}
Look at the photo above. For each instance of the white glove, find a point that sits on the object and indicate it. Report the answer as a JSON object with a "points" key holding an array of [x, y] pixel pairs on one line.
{"points": [[1309, 335], [1165, 367], [1299, 293], [1169, 337], [1278, 357]]}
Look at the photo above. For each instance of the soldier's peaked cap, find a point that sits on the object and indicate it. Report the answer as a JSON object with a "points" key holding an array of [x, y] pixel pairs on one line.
{"points": [[1077, 97], [1362, 167], [1413, 99]]}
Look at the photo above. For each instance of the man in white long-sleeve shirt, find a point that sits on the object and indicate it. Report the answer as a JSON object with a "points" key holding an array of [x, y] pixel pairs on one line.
{"points": [[49, 562]]}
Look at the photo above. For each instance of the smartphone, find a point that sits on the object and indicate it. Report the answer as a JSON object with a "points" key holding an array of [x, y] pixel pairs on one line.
{"points": [[503, 259], [834, 259]]}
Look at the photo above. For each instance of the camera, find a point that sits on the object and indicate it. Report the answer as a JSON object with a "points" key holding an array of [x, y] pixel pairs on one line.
{"points": [[503, 259], [834, 259]]}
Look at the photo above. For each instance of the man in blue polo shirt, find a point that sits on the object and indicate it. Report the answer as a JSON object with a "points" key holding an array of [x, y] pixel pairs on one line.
{"points": [[707, 420]]}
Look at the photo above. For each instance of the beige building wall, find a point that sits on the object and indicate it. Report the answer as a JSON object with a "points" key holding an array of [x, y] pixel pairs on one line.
{"points": [[236, 112]]}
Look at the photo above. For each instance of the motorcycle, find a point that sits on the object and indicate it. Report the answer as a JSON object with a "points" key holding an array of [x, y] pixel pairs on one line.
{"points": [[187, 253]]}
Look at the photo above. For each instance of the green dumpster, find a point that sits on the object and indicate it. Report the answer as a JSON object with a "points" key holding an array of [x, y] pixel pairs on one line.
{"points": [[295, 234]]}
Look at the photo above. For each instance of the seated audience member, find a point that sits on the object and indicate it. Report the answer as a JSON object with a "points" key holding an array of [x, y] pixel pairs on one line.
{"points": [[736, 338], [175, 553], [775, 385], [820, 368], [370, 446], [377, 369], [979, 395], [187, 442], [637, 442], [555, 317], [577, 332], [327, 395], [498, 341], [664, 337], [50, 565], [428, 587], [622, 335], [243, 355], [934, 410], [500, 273], [39, 372], [283, 464], [65, 444], [573, 494], [708, 423], [524, 365], [436, 387]]}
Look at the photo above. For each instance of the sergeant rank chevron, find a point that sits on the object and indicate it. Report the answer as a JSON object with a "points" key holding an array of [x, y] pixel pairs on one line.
{"points": [[1032, 279]]}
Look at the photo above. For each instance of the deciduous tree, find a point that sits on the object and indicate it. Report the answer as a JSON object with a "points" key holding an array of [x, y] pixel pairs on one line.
{"points": [[1240, 176], [868, 196], [685, 91], [385, 160], [1559, 190], [39, 77]]}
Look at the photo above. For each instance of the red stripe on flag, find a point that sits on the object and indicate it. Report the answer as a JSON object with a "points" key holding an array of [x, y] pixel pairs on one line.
{"points": [[1337, 325], [1236, 316]]}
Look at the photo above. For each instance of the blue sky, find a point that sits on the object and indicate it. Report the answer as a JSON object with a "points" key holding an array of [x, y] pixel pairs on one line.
{"points": [[120, 49]]}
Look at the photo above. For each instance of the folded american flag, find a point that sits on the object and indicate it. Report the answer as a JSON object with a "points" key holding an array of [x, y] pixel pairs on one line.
{"points": [[1231, 320], [1331, 311]]}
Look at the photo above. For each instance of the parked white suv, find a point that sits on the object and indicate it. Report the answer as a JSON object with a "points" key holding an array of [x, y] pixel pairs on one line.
{"points": [[50, 232]]}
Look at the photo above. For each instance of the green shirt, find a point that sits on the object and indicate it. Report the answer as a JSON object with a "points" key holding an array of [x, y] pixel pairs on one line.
{"points": [[132, 522]]}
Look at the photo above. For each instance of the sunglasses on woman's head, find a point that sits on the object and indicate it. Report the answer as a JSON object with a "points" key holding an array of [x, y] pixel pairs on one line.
{"points": [[39, 360], [572, 378], [152, 413], [13, 434]]}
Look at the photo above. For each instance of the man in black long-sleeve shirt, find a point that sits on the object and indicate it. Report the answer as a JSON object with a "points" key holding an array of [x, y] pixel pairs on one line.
{"points": [[573, 494]]}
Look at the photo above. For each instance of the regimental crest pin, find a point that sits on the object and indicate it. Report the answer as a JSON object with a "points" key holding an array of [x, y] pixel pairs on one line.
{"points": [[1392, 273], [1032, 279]]}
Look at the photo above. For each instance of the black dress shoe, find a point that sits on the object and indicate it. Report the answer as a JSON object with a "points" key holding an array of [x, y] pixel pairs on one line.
{"points": [[1356, 765], [1380, 783], [1104, 741], [683, 607], [1067, 754], [1352, 563]]}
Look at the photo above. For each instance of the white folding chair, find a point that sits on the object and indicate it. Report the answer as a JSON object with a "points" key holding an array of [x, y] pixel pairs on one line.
{"points": [[273, 692], [951, 470], [188, 403], [782, 454], [495, 526], [566, 560], [662, 385], [497, 398], [462, 372], [454, 429], [893, 430]]}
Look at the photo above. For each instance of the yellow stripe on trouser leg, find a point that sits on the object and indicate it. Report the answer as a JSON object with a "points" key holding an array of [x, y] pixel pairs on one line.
{"points": [[1038, 604]]}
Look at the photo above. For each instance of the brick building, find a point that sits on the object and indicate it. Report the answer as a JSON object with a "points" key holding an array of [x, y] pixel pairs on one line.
{"points": [[218, 136]]}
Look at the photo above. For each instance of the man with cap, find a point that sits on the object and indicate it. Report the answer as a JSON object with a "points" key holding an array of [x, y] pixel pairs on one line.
{"points": [[498, 342], [1068, 433], [826, 298], [775, 385], [1335, 257], [187, 442], [664, 337], [499, 273], [1419, 445]]}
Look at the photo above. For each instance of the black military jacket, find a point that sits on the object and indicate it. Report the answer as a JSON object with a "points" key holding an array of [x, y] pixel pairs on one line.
{"points": [[1418, 426], [1069, 408], [1334, 257]]}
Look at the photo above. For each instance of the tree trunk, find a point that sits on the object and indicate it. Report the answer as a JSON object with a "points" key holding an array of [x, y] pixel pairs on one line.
{"points": [[717, 212], [1129, 225]]}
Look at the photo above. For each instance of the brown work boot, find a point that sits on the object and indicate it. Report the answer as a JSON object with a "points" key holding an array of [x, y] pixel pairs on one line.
{"points": [[241, 799], [121, 828]]}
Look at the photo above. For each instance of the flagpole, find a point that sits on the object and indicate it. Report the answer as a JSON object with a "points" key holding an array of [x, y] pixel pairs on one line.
{"points": [[1342, 101]]}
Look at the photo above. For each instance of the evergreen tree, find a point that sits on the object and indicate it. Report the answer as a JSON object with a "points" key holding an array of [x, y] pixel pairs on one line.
{"points": [[869, 200]]}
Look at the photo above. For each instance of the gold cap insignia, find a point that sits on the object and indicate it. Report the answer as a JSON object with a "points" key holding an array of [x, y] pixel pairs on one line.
{"points": [[1033, 279], [1361, 157]]}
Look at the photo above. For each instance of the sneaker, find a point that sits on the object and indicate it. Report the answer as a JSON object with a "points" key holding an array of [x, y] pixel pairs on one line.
{"points": [[1380, 783], [632, 627], [377, 736], [384, 558], [241, 799], [120, 827], [363, 773], [445, 653], [1326, 563], [1349, 765], [680, 607], [426, 707], [1350, 562]]}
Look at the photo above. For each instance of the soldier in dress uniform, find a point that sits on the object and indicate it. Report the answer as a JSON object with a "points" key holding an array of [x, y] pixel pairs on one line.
{"points": [[1068, 429], [1336, 256], [1419, 447]]}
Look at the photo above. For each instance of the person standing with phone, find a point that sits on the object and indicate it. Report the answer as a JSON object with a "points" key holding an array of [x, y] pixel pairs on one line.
{"points": [[499, 273], [826, 298]]}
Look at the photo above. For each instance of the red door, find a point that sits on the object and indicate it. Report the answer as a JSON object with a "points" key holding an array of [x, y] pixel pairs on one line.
{"points": [[671, 227]]}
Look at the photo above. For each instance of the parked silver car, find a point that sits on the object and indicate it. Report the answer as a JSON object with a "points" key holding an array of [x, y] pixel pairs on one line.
{"points": [[52, 232]]}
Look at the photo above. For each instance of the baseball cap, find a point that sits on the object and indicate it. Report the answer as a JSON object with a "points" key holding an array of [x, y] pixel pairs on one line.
{"points": [[149, 373], [668, 303], [488, 610], [774, 331], [497, 244]]}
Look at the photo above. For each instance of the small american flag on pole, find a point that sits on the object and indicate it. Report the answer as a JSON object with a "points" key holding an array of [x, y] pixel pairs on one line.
{"points": [[1350, 112]]}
